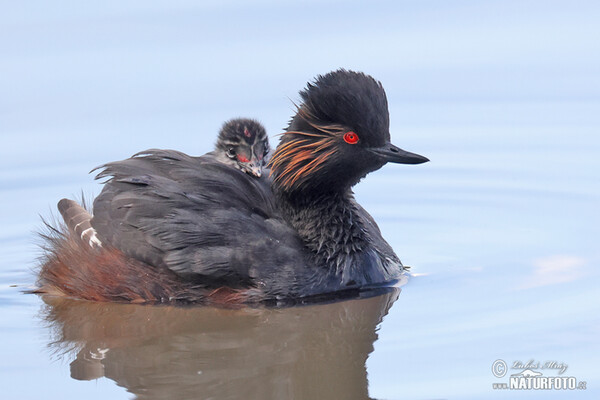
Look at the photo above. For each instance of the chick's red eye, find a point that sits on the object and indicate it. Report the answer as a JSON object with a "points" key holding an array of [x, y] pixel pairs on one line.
{"points": [[242, 158], [350, 137]]}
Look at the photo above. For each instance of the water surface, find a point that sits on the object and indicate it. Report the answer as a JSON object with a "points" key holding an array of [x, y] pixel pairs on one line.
{"points": [[501, 228]]}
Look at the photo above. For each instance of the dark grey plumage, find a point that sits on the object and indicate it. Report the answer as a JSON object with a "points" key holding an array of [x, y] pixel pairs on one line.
{"points": [[205, 221], [243, 143]]}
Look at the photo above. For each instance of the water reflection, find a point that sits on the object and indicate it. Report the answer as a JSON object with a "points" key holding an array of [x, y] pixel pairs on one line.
{"points": [[310, 352]]}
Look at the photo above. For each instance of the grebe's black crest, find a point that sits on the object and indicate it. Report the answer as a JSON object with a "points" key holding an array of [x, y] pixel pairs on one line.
{"points": [[339, 134], [243, 144], [178, 228]]}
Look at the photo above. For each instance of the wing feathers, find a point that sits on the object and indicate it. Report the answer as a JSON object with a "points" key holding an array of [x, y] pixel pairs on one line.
{"points": [[195, 216]]}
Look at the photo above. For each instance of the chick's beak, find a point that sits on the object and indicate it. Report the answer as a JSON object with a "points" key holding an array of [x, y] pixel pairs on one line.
{"points": [[391, 153], [256, 171], [253, 168]]}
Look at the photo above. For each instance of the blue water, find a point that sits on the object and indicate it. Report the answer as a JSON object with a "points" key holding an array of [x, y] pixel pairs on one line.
{"points": [[501, 228]]}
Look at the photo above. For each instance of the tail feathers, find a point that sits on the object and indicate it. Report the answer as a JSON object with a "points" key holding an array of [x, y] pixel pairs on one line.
{"points": [[78, 220], [75, 264], [71, 268]]}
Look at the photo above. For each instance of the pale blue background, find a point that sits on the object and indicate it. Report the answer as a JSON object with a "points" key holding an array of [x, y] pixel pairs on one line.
{"points": [[501, 227]]}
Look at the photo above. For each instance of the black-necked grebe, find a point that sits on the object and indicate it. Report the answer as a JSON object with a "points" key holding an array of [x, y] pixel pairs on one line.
{"points": [[168, 227]]}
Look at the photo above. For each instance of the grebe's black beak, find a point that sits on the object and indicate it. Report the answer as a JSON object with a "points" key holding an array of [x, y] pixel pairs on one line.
{"points": [[391, 153]]}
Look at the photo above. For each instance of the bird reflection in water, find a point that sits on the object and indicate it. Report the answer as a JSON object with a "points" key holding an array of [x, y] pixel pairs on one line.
{"points": [[157, 352]]}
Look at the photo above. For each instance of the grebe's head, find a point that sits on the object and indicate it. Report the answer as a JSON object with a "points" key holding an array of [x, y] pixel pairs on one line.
{"points": [[339, 134], [245, 145]]}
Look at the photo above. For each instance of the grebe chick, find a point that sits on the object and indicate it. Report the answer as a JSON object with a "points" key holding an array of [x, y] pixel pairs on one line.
{"points": [[243, 143]]}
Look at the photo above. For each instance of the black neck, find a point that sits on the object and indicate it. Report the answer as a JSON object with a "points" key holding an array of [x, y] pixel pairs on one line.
{"points": [[328, 223]]}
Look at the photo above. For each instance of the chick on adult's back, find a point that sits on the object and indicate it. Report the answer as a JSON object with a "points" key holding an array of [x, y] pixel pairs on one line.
{"points": [[181, 228]]}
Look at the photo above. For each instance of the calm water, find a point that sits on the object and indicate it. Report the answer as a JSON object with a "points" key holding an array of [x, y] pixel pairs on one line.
{"points": [[501, 228]]}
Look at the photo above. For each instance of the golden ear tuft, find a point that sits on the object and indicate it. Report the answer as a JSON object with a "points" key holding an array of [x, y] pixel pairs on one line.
{"points": [[300, 157]]}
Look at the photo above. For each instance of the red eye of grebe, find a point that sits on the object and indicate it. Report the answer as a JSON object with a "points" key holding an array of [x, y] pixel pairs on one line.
{"points": [[242, 158], [351, 137]]}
